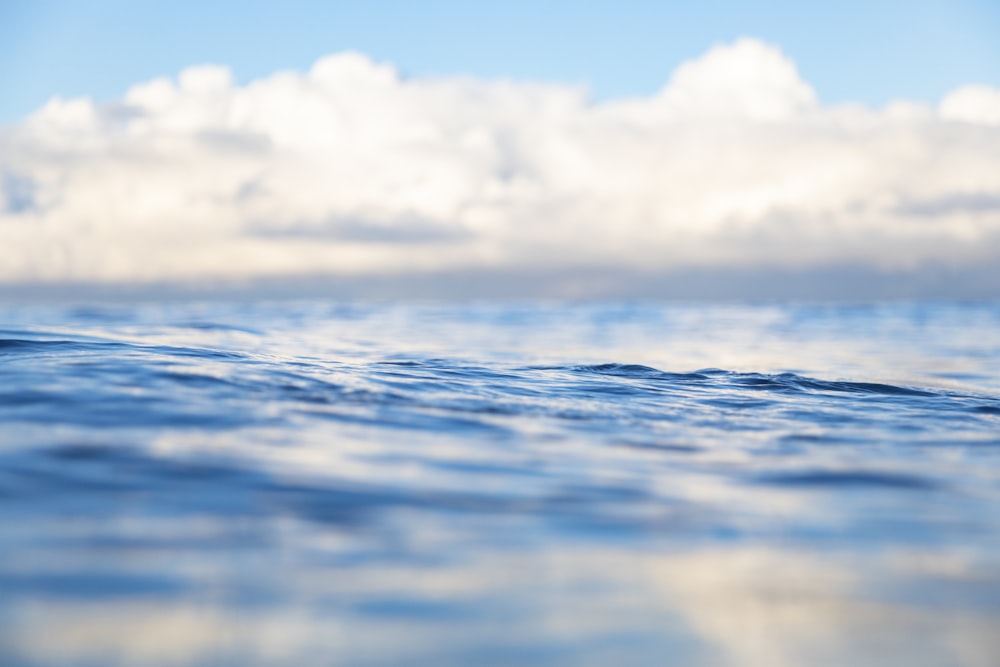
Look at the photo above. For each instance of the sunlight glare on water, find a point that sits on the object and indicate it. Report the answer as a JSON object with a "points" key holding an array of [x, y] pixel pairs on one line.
{"points": [[297, 483]]}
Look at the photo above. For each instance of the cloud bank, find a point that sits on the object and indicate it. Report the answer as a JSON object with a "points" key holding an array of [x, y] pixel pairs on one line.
{"points": [[352, 172]]}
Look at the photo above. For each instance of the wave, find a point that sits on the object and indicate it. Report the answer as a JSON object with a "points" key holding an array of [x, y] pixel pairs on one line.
{"points": [[107, 386]]}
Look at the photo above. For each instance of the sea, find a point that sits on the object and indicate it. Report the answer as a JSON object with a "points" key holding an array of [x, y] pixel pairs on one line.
{"points": [[234, 483]]}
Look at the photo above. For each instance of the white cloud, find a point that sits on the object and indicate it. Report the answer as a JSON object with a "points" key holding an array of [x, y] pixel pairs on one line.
{"points": [[350, 169], [973, 104], [748, 79]]}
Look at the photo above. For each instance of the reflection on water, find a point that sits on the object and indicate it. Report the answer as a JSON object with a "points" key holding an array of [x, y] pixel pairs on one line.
{"points": [[307, 483]]}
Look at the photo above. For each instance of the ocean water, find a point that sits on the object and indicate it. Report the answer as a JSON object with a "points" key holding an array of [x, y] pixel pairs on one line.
{"points": [[316, 483]]}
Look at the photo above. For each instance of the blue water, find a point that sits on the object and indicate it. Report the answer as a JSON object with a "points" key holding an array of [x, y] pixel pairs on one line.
{"points": [[312, 483]]}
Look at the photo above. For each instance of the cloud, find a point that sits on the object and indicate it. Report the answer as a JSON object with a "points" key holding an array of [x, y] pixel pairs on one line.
{"points": [[748, 79], [18, 192], [351, 171], [973, 104]]}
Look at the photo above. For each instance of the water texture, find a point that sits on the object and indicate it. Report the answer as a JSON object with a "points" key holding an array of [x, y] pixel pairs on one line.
{"points": [[314, 483]]}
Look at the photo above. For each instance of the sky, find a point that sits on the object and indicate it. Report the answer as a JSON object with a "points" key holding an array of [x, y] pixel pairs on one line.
{"points": [[850, 50], [608, 149]]}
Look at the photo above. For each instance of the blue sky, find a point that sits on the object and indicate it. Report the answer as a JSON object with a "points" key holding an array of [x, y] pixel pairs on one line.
{"points": [[850, 51]]}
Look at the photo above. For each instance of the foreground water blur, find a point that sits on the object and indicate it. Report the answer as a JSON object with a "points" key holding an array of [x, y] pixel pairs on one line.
{"points": [[599, 484]]}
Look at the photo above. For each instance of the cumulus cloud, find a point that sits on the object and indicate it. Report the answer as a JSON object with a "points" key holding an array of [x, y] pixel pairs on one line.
{"points": [[351, 170], [973, 104]]}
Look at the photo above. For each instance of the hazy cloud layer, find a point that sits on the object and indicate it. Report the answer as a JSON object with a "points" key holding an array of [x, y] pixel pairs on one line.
{"points": [[351, 170]]}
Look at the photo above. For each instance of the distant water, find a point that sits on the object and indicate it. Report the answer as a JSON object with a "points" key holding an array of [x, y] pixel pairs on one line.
{"points": [[542, 484]]}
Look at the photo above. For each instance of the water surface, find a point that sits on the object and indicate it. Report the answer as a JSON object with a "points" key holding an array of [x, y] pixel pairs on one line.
{"points": [[553, 484]]}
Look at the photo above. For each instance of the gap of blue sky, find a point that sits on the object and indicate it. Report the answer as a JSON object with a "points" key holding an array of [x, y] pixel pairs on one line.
{"points": [[850, 51]]}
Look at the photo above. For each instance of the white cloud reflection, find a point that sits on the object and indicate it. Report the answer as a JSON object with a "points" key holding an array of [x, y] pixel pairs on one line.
{"points": [[351, 170], [746, 606]]}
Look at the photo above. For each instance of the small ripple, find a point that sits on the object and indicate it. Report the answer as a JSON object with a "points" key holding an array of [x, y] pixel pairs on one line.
{"points": [[637, 371], [29, 346], [415, 608], [216, 326], [863, 387], [848, 478], [738, 403], [93, 585], [660, 446]]}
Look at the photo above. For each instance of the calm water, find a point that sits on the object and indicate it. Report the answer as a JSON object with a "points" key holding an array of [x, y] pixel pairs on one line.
{"points": [[545, 484]]}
